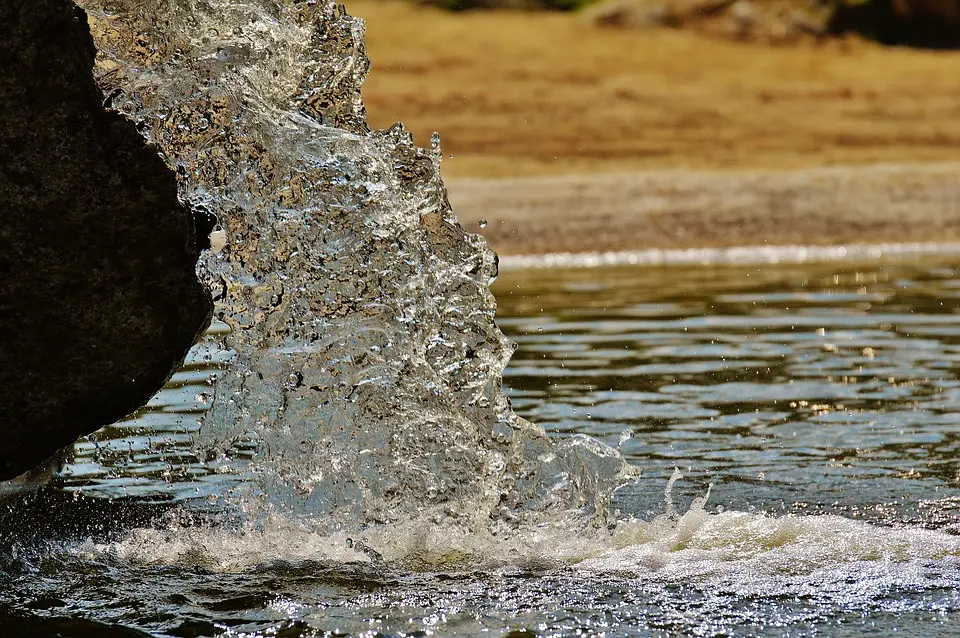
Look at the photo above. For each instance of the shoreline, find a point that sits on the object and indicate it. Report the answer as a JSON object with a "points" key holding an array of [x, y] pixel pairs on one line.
{"points": [[734, 256], [569, 137], [530, 94], [665, 213]]}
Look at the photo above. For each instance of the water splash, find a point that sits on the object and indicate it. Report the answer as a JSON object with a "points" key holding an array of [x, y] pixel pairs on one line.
{"points": [[362, 401], [366, 382], [696, 547]]}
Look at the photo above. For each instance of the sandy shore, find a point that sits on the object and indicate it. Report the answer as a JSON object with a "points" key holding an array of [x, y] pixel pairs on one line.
{"points": [[516, 94], [569, 137], [692, 209]]}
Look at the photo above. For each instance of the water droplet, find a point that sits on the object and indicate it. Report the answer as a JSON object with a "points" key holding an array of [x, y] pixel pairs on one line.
{"points": [[482, 223]]}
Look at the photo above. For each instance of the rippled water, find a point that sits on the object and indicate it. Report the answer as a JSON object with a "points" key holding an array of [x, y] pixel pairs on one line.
{"points": [[798, 393], [811, 388]]}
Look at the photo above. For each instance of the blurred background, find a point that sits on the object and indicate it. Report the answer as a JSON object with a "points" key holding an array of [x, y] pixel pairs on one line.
{"points": [[679, 123]]}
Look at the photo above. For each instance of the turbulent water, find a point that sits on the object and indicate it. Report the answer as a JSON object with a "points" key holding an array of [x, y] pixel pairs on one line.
{"points": [[364, 382], [343, 458], [818, 401]]}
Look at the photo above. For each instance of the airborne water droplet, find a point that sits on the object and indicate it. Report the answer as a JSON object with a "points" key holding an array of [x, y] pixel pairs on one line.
{"points": [[482, 223]]}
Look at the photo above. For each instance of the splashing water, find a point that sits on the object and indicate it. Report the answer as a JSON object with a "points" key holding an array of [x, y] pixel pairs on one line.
{"points": [[361, 404], [365, 380]]}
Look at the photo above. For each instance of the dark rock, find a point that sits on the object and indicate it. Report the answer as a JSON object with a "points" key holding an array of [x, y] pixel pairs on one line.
{"points": [[918, 23], [762, 21], [932, 24], [99, 300]]}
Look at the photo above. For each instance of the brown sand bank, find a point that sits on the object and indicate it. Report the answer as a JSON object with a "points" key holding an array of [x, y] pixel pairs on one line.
{"points": [[663, 138], [693, 209], [532, 93]]}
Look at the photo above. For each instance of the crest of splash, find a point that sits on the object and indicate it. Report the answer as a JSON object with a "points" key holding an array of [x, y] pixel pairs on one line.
{"points": [[366, 382]]}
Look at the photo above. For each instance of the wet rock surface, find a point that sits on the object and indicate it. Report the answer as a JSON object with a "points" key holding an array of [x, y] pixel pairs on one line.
{"points": [[99, 300]]}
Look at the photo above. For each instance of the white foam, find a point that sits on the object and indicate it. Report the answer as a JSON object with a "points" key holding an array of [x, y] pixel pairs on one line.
{"points": [[702, 545], [696, 547]]}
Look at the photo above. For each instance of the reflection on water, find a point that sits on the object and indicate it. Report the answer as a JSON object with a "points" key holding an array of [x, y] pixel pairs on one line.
{"points": [[811, 388], [151, 454], [816, 389]]}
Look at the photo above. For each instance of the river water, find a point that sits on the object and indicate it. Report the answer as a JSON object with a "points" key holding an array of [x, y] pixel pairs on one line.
{"points": [[805, 418]]}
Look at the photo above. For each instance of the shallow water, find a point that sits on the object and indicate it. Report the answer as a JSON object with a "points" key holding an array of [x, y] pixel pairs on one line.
{"points": [[821, 402], [806, 388]]}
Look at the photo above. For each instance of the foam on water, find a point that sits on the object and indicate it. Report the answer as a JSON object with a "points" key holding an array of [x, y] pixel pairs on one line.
{"points": [[695, 547]]}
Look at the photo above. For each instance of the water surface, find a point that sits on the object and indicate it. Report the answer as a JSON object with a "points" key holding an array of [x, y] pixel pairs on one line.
{"points": [[820, 402], [828, 388]]}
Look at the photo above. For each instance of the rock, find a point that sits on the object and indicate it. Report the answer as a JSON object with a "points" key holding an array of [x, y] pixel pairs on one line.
{"points": [[99, 300], [769, 21], [36, 477], [919, 23]]}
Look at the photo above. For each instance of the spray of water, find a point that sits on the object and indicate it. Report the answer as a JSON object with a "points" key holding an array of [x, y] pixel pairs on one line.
{"points": [[362, 402], [365, 385]]}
